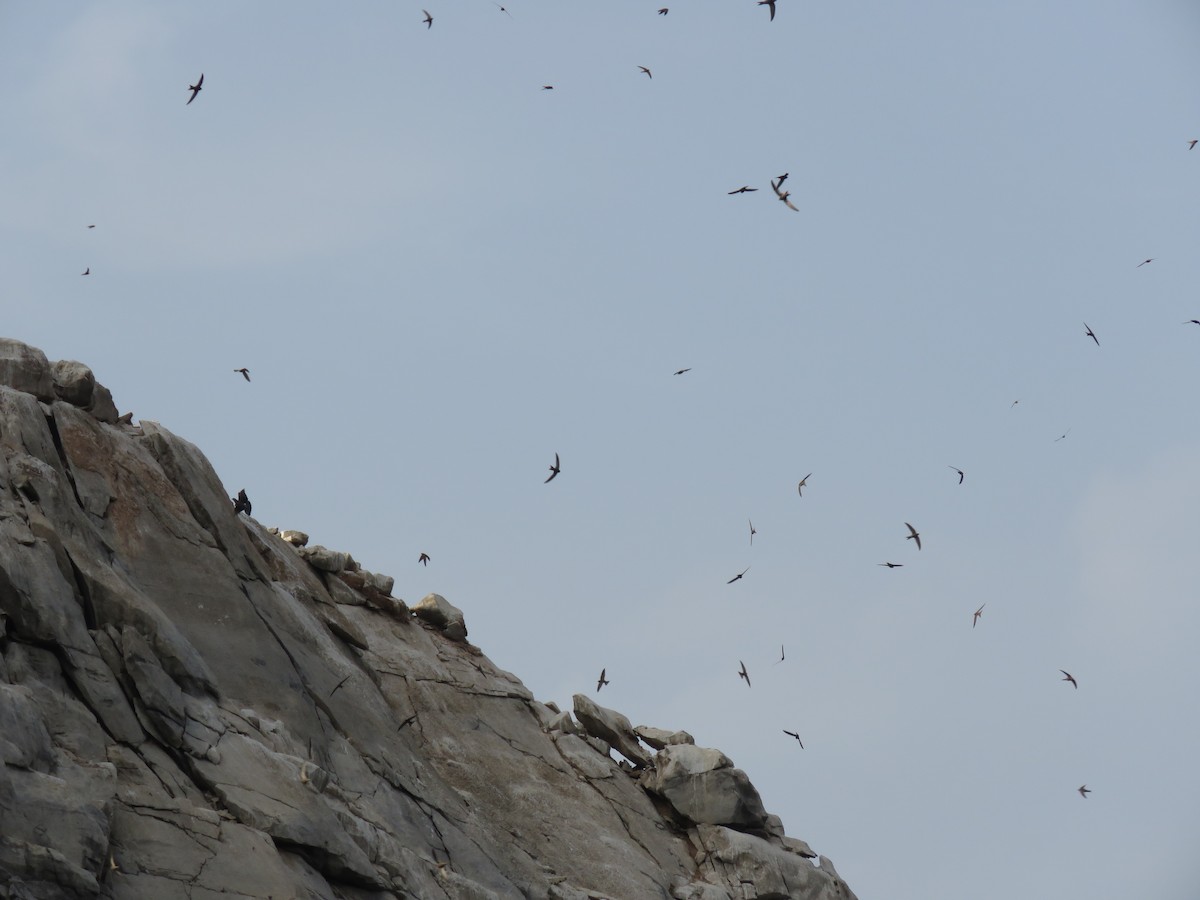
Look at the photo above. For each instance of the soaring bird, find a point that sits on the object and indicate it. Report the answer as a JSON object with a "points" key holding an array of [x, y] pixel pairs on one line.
{"points": [[1070, 678], [87, 271], [241, 503], [891, 565], [770, 4], [803, 483], [423, 559], [647, 71], [1084, 790], [744, 674], [554, 470], [913, 536], [1061, 436], [781, 179], [783, 195], [665, 10], [744, 189], [1144, 261], [195, 89], [753, 532], [738, 575], [978, 613], [782, 655], [1191, 322], [502, 9], [91, 226], [681, 371], [602, 681], [1091, 333], [960, 473], [1191, 144], [547, 87], [796, 736], [245, 373], [428, 20]]}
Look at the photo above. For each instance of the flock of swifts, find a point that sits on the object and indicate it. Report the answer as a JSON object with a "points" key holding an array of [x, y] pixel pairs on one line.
{"points": [[241, 503]]}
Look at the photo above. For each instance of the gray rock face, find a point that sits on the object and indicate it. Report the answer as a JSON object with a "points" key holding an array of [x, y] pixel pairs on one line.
{"points": [[191, 707]]}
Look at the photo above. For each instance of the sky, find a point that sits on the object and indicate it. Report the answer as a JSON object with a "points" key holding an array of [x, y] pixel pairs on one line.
{"points": [[440, 275]]}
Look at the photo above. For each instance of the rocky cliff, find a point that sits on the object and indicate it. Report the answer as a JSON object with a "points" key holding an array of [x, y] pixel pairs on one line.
{"points": [[193, 705]]}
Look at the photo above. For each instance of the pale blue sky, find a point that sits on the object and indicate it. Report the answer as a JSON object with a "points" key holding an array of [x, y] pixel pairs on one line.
{"points": [[440, 275]]}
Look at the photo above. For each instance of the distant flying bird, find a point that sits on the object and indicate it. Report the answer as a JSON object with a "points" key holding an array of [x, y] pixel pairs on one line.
{"points": [[1061, 436], [803, 482], [428, 20], [91, 226], [783, 195], [1091, 333], [681, 371], [423, 559], [978, 614], [1144, 261], [743, 673], [1191, 322], [547, 87], [602, 681], [502, 9], [1014, 403], [1084, 790], [665, 10], [891, 565], [913, 536], [245, 373], [647, 71], [782, 655], [770, 4], [554, 470], [744, 189], [960, 473], [781, 179], [241, 503], [1069, 678], [796, 736], [752, 533], [87, 271], [738, 575], [195, 89], [1191, 144]]}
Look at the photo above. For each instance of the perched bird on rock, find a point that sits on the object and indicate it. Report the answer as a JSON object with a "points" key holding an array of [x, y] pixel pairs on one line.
{"points": [[913, 536], [978, 614], [1069, 678], [245, 373], [738, 575], [602, 681], [241, 503], [1084, 790], [554, 470], [195, 89], [744, 673], [796, 736], [423, 559]]}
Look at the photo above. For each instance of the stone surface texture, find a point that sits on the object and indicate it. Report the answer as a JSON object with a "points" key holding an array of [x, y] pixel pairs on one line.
{"points": [[194, 707]]}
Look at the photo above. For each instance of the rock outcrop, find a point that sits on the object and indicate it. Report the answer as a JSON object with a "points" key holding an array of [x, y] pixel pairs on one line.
{"points": [[194, 705]]}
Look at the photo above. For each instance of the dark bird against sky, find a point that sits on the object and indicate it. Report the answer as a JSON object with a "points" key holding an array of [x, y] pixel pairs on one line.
{"points": [[753, 532], [978, 614], [1091, 333], [913, 536], [1143, 262], [796, 736], [803, 483], [554, 470], [245, 373], [961, 475], [744, 189], [87, 271], [891, 565], [1084, 790], [770, 4], [423, 559], [647, 71], [783, 196], [744, 673], [1068, 677], [241, 503], [663, 11], [602, 681], [1191, 144], [738, 575], [195, 89], [681, 371], [428, 20]]}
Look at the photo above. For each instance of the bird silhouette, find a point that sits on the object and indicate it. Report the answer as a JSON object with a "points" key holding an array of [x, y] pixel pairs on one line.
{"points": [[1191, 144], [753, 532], [796, 736], [547, 87], [423, 559], [891, 565], [803, 483], [1144, 261], [744, 189], [960, 473], [770, 4], [1191, 322], [1084, 790], [91, 226], [681, 371], [978, 614], [782, 655], [1091, 333], [1070, 678], [663, 11], [602, 681], [744, 673], [245, 373], [195, 89], [783, 195], [647, 71], [241, 503], [502, 9], [428, 20], [781, 179], [738, 575], [554, 470], [913, 536], [1061, 436], [87, 271]]}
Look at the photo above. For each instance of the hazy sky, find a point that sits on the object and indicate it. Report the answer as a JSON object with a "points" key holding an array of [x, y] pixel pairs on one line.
{"points": [[440, 275]]}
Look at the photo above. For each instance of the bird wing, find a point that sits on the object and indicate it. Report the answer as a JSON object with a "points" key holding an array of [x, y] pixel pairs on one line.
{"points": [[200, 83]]}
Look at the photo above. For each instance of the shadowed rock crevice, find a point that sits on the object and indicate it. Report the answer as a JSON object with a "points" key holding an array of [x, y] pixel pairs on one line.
{"points": [[193, 705]]}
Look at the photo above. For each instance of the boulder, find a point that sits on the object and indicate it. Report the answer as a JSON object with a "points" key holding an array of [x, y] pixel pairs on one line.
{"points": [[703, 786], [26, 368], [661, 737], [332, 561], [295, 538], [609, 725], [443, 615], [73, 382]]}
